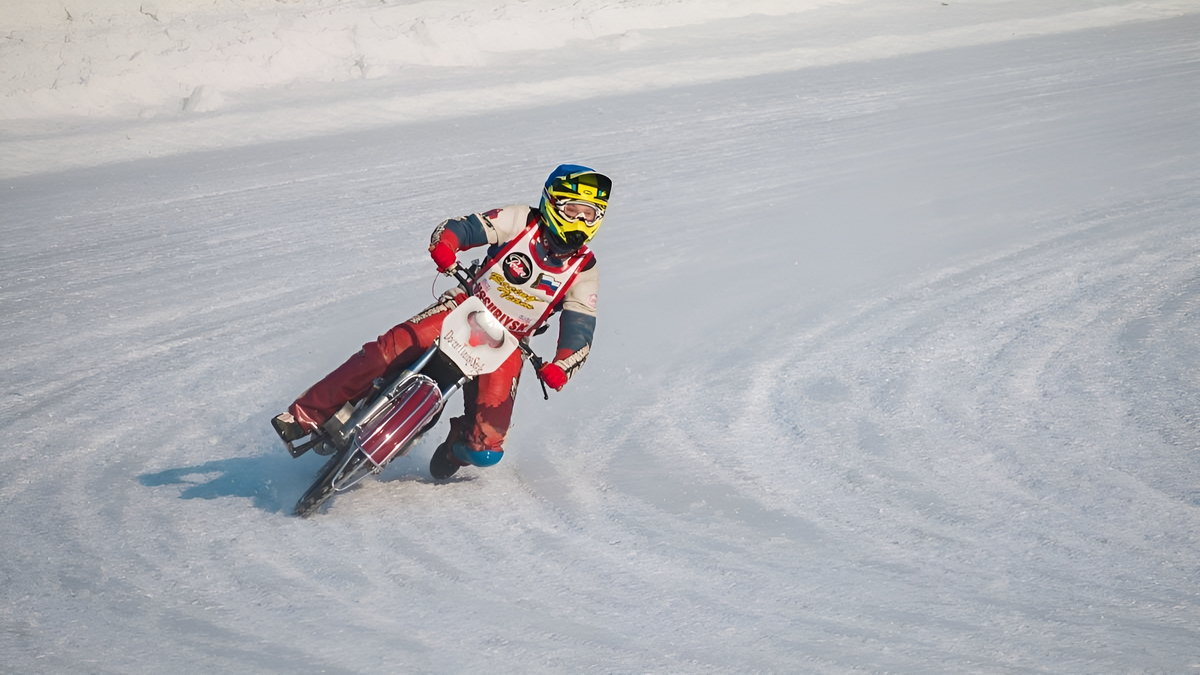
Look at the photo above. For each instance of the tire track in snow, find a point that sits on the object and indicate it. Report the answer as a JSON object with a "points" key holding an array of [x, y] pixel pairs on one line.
{"points": [[1016, 432]]}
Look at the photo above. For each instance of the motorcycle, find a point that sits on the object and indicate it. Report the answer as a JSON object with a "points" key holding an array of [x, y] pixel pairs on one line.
{"points": [[362, 438]]}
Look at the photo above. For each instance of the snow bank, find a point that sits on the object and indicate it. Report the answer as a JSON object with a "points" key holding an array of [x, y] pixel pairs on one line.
{"points": [[130, 57], [90, 83]]}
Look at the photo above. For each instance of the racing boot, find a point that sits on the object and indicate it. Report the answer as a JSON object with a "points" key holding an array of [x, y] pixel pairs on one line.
{"points": [[287, 427], [444, 464]]}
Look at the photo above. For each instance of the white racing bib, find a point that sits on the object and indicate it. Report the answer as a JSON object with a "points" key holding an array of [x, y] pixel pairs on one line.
{"points": [[519, 289]]}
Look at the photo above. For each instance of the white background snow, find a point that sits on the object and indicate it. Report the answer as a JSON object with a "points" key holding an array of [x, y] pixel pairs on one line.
{"points": [[895, 372]]}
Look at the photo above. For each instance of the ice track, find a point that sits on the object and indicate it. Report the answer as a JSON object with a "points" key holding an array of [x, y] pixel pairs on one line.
{"points": [[933, 409], [1020, 429]]}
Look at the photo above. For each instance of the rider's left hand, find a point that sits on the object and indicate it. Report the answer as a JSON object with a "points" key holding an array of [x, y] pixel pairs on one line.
{"points": [[554, 376]]}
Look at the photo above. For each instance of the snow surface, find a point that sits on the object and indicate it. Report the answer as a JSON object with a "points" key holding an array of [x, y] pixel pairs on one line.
{"points": [[895, 370]]}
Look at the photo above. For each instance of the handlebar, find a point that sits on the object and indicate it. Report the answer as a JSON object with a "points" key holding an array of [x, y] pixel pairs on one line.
{"points": [[463, 278]]}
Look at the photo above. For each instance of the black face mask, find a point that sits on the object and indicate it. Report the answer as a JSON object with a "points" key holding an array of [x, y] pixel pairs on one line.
{"points": [[560, 247]]}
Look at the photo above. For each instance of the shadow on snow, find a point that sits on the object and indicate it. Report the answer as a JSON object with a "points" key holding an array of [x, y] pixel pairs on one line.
{"points": [[273, 482]]}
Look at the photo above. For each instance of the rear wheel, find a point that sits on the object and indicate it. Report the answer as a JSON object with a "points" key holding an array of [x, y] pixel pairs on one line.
{"points": [[343, 470]]}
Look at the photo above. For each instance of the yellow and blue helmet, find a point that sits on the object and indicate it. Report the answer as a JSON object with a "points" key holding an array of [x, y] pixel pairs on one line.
{"points": [[573, 205]]}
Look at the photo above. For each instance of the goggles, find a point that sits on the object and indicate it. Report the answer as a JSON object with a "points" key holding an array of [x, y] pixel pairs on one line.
{"points": [[577, 209]]}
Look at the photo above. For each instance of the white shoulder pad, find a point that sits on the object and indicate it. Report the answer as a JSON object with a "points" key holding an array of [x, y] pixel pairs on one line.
{"points": [[582, 295], [506, 223]]}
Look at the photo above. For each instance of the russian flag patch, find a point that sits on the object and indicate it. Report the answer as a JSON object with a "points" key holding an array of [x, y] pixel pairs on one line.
{"points": [[547, 284]]}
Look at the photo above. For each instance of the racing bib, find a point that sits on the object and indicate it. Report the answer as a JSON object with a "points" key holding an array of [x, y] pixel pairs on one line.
{"points": [[519, 289]]}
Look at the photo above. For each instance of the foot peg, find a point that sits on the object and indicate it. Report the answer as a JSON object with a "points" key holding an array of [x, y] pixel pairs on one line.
{"points": [[318, 441]]}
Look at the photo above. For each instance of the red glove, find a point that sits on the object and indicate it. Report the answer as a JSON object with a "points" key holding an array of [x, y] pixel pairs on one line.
{"points": [[443, 252], [553, 376]]}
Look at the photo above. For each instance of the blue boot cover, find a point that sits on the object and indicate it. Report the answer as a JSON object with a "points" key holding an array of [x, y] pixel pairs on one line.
{"points": [[476, 457]]}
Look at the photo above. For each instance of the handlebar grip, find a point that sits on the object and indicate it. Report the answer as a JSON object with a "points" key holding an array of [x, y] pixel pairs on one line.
{"points": [[461, 275]]}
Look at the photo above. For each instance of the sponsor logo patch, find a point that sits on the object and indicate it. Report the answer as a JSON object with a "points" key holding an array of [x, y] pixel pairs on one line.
{"points": [[518, 268], [464, 351], [510, 293]]}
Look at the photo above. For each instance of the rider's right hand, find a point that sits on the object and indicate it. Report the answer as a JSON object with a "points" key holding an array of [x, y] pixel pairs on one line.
{"points": [[443, 252]]}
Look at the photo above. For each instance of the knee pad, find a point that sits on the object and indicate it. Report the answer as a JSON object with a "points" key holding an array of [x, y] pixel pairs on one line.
{"points": [[476, 457]]}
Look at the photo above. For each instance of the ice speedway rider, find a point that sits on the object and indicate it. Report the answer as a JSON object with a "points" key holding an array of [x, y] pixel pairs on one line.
{"points": [[537, 263]]}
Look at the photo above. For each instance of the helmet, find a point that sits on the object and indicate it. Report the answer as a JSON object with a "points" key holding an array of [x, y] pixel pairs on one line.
{"points": [[573, 205]]}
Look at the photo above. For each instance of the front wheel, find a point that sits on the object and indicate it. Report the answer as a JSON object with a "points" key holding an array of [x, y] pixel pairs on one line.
{"points": [[345, 468]]}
